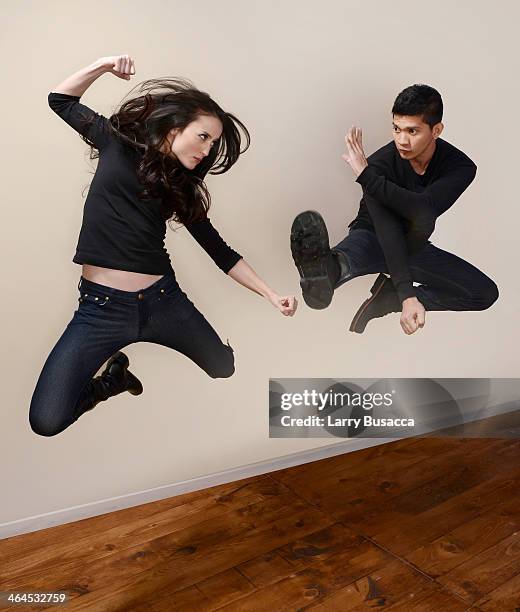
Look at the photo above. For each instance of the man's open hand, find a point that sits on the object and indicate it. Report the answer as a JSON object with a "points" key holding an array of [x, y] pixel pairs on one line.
{"points": [[355, 156]]}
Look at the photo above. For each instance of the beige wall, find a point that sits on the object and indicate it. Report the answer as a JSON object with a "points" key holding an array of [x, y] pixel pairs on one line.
{"points": [[298, 74]]}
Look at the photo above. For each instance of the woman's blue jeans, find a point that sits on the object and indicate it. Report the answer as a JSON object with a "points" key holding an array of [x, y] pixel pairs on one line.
{"points": [[106, 321]]}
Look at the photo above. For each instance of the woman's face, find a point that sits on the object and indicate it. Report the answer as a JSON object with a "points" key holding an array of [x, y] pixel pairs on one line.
{"points": [[192, 144]]}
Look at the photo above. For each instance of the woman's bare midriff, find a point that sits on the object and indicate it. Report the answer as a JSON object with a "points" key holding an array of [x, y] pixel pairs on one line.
{"points": [[119, 279]]}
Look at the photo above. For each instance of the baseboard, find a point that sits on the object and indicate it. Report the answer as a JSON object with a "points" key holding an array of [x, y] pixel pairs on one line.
{"points": [[75, 513], [103, 506]]}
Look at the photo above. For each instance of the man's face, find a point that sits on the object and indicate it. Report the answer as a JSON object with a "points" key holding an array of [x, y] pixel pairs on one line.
{"points": [[412, 136]]}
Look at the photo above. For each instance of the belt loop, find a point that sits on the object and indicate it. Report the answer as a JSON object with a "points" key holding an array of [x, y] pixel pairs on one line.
{"points": [[79, 284]]}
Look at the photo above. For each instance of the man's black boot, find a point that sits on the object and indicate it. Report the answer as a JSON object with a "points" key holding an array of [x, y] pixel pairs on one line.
{"points": [[318, 267], [383, 301], [115, 379]]}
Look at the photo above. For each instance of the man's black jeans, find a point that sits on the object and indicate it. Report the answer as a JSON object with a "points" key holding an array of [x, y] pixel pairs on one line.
{"points": [[106, 321], [447, 282]]}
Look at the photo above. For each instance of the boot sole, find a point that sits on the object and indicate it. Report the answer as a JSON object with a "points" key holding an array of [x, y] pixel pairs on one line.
{"points": [[358, 325], [135, 386], [310, 249], [119, 358]]}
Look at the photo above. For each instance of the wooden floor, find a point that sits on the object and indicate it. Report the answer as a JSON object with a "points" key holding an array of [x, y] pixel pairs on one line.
{"points": [[418, 524]]}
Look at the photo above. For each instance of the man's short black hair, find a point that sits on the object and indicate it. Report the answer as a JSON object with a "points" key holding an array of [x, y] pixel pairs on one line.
{"points": [[420, 100]]}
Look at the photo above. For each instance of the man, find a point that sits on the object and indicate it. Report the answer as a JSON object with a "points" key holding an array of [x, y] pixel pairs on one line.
{"points": [[407, 185]]}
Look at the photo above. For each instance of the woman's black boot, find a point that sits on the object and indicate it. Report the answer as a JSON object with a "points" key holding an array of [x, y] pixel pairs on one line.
{"points": [[115, 379]]}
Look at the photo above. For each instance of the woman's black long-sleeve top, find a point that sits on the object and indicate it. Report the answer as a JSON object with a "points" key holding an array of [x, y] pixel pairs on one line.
{"points": [[119, 230]]}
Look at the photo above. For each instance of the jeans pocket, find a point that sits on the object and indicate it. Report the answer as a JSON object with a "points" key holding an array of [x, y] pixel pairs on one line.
{"points": [[95, 298]]}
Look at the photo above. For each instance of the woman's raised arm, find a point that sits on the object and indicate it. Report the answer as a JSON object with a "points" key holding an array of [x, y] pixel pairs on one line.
{"points": [[64, 99], [77, 84]]}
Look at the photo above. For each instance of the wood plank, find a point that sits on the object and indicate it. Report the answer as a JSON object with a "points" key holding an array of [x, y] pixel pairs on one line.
{"points": [[186, 599], [169, 564], [320, 546], [299, 554], [435, 601], [486, 571], [309, 480], [118, 535], [402, 534], [363, 499], [23, 547], [225, 587], [394, 583], [266, 569], [320, 578], [240, 518], [504, 597], [363, 492], [472, 537]]}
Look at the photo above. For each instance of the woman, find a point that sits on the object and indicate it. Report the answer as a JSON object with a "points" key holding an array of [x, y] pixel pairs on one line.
{"points": [[154, 153]]}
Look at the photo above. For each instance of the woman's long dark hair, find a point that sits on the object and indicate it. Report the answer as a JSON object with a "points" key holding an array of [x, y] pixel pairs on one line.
{"points": [[143, 121]]}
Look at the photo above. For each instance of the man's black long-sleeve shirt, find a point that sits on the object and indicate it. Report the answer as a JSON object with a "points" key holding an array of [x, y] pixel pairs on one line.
{"points": [[119, 230], [401, 206]]}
